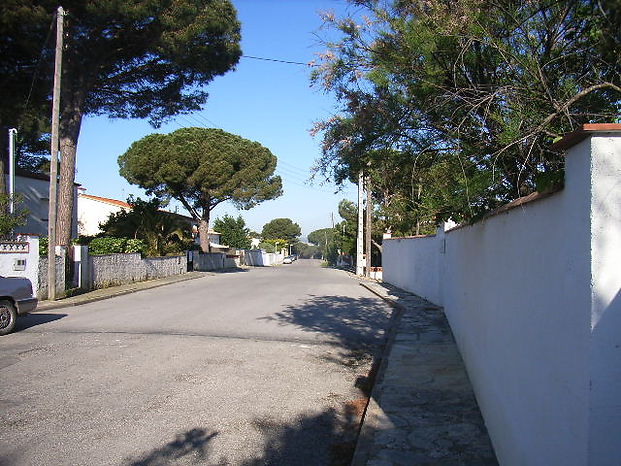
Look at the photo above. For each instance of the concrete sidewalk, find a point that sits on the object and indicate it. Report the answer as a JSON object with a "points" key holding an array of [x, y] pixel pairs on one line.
{"points": [[111, 292], [422, 409]]}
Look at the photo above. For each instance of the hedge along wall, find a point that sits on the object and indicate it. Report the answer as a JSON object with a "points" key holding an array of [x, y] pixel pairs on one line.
{"points": [[118, 269]]}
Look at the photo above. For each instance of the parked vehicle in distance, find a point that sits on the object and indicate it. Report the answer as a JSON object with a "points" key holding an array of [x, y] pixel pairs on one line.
{"points": [[15, 299], [287, 260]]}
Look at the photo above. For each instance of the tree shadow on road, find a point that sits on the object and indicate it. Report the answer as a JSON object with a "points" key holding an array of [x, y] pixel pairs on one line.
{"points": [[357, 324], [323, 439], [190, 446]]}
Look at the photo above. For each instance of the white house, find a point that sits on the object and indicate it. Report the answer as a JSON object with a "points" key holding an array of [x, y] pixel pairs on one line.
{"points": [[34, 189], [93, 210]]}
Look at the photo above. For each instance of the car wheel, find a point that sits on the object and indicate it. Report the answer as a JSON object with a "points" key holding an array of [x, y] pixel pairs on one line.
{"points": [[8, 315]]}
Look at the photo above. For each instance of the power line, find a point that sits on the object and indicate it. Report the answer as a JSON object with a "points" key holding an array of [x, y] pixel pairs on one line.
{"points": [[301, 176], [40, 59], [295, 182], [279, 61], [193, 121], [308, 187], [204, 118], [293, 167]]}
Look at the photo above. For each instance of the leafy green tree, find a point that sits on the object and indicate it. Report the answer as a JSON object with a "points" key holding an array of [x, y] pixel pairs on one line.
{"points": [[162, 232], [24, 83], [9, 221], [346, 231], [273, 245], [201, 168], [281, 228], [324, 239], [466, 96], [233, 231], [142, 59], [307, 251]]}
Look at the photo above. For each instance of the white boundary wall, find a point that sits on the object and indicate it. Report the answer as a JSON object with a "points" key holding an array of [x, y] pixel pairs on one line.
{"points": [[260, 258], [415, 267], [533, 298], [20, 258]]}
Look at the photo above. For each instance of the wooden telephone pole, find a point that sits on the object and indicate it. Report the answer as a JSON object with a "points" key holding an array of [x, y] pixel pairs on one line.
{"points": [[51, 227], [360, 238], [367, 235]]}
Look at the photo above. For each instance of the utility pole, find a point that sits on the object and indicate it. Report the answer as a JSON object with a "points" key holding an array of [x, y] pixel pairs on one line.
{"points": [[359, 239], [51, 227], [12, 133], [367, 270]]}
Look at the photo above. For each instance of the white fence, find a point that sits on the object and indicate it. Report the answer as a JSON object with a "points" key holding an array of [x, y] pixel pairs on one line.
{"points": [[260, 258], [533, 298]]}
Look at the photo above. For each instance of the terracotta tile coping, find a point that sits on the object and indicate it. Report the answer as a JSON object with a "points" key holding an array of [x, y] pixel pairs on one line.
{"points": [[105, 200], [409, 237], [573, 138]]}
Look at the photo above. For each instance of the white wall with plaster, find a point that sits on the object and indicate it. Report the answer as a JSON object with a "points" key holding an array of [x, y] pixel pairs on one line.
{"points": [[533, 298]]}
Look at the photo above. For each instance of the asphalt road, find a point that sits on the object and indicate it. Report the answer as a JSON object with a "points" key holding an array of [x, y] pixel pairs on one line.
{"points": [[245, 368]]}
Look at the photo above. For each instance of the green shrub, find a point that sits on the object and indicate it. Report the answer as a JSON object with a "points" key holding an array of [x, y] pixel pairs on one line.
{"points": [[101, 245], [83, 240], [109, 245], [43, 243]]}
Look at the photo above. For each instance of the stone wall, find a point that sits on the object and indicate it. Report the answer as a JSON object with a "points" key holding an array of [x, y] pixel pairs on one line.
{"points": [[212, 261], [42, 277], [117, 269]]}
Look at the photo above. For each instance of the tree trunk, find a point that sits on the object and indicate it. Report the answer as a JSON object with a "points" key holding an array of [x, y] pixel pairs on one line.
{"points": [[70, 122], [203, 232]]}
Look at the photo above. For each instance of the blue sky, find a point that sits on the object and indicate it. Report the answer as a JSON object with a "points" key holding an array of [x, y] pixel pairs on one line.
{"points": [[268, 102]]}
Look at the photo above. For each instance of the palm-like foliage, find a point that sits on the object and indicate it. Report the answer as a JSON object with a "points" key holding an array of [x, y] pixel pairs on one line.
{"points": [[163, 232]]}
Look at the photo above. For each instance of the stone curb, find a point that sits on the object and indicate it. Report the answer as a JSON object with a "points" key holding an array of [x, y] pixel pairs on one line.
{"points": [[422, 409], [113, 292], [373, 416]]}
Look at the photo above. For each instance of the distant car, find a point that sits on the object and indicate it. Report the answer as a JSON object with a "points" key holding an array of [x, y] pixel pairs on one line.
{"points": [[15, 299], [287, 260]]}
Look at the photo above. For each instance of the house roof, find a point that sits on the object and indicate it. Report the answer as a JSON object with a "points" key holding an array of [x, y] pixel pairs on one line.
{"points": [[27, 174], [118, 203], [106, 200], [573, 138]]}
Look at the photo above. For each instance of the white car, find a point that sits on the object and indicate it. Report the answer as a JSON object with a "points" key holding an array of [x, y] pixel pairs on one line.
{"points": [[15, 299], [287, 260]]}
